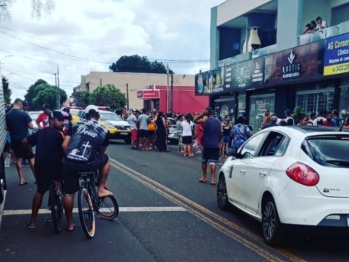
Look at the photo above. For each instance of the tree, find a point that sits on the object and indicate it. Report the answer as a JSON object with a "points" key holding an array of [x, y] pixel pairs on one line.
{"points": [[38, 7], [41, 93], [297, 112], [82, 98], [109, 95], [6, 89], [31, 92], [138, 64]]}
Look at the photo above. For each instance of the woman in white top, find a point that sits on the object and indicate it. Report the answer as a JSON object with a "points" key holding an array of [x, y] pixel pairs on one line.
{"points": [[187, 136]]}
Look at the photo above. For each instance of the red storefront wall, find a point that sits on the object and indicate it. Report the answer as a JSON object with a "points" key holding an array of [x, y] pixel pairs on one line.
{"points": [[184, 100]]}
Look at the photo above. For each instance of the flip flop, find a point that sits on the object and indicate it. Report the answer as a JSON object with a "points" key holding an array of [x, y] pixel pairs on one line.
{"points": [[203, 181], [213, 183], [29, 226], [25, 183], [70, 230], [106, 195]]}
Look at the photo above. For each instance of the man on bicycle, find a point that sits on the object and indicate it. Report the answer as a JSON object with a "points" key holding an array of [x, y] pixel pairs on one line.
{"points": [[84, 145], [48, 159]]}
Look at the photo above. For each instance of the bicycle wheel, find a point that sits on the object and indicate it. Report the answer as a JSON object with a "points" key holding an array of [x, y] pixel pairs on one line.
{"points": [[56, 209], [86, 213], [108, 207]]}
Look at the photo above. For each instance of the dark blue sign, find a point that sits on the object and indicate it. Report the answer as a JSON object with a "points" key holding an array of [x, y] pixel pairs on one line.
{"points": [[336, 55]]}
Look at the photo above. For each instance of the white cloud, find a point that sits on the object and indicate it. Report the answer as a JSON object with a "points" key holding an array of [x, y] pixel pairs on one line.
{"points": [[171, 29]]}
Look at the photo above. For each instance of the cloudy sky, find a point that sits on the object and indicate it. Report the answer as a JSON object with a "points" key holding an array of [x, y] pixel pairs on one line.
{"points": [[82, 36]]}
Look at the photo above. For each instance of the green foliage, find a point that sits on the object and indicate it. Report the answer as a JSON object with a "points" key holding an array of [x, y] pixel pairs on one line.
{"points": [[138, 64], [297, 112], [82, 98], [109, 95], [41, 92], [6, 89]]}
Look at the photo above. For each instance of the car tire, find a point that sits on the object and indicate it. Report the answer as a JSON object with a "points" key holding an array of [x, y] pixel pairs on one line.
{"points": [[272, 228], [222, 195], [127, 140]]}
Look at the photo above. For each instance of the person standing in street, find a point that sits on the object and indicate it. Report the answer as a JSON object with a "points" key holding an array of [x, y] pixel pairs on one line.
{"points": [[226, 126], [132, 120], [187, 137], [210, 142], [18, 123], [48, 159], [43, 117], [25, 108], [161, 134], [266, 118], [240, 133], [328, 121], [289, 119], [272, 123], [143, 129]]}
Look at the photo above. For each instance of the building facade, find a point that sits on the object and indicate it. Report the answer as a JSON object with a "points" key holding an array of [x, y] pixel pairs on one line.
{"points": [[184, 99], [282, 67], [130, 83]]}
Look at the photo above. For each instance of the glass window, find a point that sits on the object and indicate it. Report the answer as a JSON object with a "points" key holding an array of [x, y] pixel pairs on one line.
{"points": [[272, 144], [258, 104], [315, 101], [344, 98], [250, 148], [330, 151], [340, 14]]}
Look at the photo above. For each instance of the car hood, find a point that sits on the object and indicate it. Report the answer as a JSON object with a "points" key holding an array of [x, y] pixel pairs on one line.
{"points": [[119, 123]]}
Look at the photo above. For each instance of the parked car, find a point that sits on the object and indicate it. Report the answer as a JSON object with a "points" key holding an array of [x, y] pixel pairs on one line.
{"points": [[290, 178], [34, 115], [173, 136], [118, 128]]}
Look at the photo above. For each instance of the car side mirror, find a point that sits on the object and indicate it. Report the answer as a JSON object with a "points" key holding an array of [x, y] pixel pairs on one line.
{"points": [[230, 151]]}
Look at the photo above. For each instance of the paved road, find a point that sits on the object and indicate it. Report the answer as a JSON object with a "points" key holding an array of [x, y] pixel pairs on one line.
{"points": [[166, 216]]}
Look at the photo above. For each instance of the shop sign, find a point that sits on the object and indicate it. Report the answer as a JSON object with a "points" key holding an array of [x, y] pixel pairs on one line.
{"points": [[293, 69], [336, 55], [257, 77], [301, 62], [213, 81], [148, 94]]}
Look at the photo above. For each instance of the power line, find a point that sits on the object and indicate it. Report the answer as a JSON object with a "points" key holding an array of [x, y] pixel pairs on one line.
{"points": [[108, 53]]}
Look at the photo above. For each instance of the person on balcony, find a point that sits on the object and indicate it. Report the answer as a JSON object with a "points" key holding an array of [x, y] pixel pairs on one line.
{"points": [[308, 29], [321, 24]]}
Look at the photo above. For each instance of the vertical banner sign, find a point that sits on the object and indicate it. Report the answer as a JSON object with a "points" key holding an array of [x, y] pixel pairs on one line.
{"points": [[336, 55]]}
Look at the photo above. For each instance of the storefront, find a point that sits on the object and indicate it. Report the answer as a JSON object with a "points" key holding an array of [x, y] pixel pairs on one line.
{"points": [[287, 79], [181, 99]]}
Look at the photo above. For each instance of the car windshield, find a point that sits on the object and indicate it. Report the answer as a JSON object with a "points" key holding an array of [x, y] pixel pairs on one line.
{"points": [[34, 116], [328, 150], [109, 117]]}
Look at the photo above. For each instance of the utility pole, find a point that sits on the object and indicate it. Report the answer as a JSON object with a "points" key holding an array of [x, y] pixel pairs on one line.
{"points": [[172, 92], [128, 102], [167, 90], [58, 91], [100, 82]]}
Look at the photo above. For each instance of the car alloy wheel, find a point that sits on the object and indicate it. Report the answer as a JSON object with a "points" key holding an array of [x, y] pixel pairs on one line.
{"points": [[272, 228], [269, 219], [222, 196]]}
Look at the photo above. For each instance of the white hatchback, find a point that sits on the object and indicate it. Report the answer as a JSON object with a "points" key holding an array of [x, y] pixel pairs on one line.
{"points": [[289, 176]]}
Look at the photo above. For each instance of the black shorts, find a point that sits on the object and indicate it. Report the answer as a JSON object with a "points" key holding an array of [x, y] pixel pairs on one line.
{"points": [[44, 179], [143, 133], [210, 155], [187, 140], [18, 149], [72, 168], [151, 133]]}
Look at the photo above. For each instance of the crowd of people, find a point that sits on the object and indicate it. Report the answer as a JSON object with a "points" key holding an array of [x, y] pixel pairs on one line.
{"points": [[59, 155], [313, 26]]}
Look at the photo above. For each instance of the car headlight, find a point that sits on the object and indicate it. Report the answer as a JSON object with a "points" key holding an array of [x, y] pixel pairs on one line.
{"points": [[110, 125]]}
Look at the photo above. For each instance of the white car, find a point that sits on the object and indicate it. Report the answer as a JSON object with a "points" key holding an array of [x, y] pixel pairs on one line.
{"points": [[34, 115], [286, 177]]}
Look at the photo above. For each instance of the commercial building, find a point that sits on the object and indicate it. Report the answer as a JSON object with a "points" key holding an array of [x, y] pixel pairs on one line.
{"points": [[260, 57], [181, 100], [130, 83]]}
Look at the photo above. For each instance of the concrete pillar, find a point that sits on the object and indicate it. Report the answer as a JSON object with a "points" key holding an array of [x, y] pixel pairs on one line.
{"points": [[289, 23], [214, 39]]}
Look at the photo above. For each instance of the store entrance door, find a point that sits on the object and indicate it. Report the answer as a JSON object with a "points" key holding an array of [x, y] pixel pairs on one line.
{"points": [[314, 101], [258, 103]]}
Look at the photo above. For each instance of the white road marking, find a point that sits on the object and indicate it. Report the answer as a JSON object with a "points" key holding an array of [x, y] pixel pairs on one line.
{"points": [[2, 207], [121, 209]]}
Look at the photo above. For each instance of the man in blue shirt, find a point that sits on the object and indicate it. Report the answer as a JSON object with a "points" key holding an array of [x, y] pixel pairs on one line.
{"points": [[210, 142]]}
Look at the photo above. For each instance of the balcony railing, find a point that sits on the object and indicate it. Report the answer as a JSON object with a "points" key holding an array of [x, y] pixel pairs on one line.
{"points": [[340, 29]]}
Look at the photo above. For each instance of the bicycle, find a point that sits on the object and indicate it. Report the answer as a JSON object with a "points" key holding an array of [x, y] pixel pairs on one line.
{"points": [[89, 203], [55, 204]]}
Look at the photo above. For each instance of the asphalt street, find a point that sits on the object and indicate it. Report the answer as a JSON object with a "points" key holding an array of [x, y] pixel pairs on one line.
{"points": [[166, 215]]}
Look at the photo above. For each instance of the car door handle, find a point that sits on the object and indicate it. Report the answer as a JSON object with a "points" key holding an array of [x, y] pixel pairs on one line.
{"points": [[242, 172], [263, 174]]}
